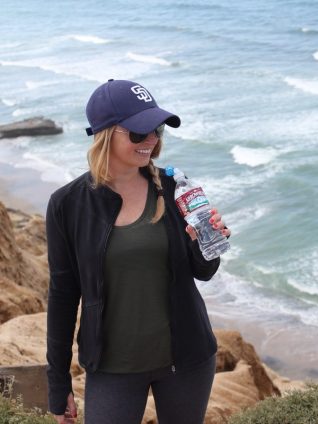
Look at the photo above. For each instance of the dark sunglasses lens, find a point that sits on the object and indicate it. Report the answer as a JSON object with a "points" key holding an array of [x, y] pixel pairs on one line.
{"points": [[137, 138]]}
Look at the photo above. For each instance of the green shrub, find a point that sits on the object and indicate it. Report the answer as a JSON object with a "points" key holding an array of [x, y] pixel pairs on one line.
{"points": [[298, 407], [12, 412]]}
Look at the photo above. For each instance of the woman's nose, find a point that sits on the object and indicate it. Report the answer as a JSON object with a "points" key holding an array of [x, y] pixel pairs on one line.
{"points": [[152, 137]]}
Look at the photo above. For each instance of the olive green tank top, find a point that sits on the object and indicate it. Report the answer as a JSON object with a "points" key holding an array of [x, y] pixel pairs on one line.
{"points": [[136, 320]]}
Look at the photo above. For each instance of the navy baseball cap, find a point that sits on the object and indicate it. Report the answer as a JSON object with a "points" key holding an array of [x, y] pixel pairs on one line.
{"points": [[126, 103]]}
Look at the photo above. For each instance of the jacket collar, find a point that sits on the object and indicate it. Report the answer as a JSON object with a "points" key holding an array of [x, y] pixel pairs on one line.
{"points": [[104, 190]]}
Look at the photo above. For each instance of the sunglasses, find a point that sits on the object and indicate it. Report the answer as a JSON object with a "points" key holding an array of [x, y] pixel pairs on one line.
{"points": [[138, 138]]}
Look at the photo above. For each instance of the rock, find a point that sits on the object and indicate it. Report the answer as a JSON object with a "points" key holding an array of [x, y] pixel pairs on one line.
{"points": [[231, 349], [23, 341], [30, 127], [241, 379], [29, 231], [284, 384], [17, 300], [9, 251], [150, 416], [24, 266], [27, 380], [232, 391]]}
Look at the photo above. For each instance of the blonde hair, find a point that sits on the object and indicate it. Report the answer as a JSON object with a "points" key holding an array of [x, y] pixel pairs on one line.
{"points": [[98, 160]]}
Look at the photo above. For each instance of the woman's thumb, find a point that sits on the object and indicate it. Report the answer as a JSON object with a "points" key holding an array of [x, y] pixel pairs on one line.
{"points": [[191, 231], [71, 405]]}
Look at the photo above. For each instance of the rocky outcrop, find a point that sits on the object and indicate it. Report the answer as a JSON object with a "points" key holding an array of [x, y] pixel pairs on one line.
{"points": [[30, 127], [17, 300], [241, 380], [232, 349], [23, 264], [23, 341], [29, 231]]}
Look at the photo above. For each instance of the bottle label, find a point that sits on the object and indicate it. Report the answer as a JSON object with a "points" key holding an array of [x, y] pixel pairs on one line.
{"points": [[191, 200]]}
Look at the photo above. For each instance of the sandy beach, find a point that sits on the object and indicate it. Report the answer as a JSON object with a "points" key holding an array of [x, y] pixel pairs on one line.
{"points": [[289, 351], [22, 188]]}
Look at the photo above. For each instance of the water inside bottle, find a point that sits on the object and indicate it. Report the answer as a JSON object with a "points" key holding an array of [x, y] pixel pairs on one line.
{"points": [[212, 242]]}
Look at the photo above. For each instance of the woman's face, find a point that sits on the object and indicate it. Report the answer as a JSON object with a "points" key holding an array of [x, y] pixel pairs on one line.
{"points": [[124, 153]]}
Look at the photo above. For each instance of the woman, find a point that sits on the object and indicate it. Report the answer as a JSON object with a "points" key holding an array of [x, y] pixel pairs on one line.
{"points": [[117, 242]]}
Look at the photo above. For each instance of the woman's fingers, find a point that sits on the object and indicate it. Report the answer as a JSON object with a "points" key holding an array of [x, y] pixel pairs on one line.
{"points": [[64, 419], [70, 413], [71, 406], [226, 232], [191, 231], [215, 221], [216, 217]]}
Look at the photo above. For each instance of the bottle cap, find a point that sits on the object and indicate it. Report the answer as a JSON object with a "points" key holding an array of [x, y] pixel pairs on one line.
{"points": [[169, 171]]}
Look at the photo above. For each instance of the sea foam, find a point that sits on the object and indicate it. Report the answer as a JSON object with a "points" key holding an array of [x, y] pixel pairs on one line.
{"points": [[256, 302], [20, 112], [87, 39], [32, 85], [242, 218], [84, 70], [253, 157], [301, 287], [309, 30], [307, 86], [56, 68], [232, 187], [154, 60], [9, 102], [49, 171]]}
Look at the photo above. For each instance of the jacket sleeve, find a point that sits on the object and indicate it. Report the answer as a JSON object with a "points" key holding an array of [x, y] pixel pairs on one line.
{"points": [[63, 300], [201, 268]]}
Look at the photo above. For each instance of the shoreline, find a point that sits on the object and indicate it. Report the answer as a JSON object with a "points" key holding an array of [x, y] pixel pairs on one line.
{"points": [[22, 188], [286, 349]]}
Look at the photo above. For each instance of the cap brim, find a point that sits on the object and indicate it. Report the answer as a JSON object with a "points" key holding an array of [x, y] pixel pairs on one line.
{"points": [[149, 119]]}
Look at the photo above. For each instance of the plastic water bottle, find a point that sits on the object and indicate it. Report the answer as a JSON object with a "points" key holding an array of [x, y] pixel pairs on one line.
{"points": [[195, 208]]}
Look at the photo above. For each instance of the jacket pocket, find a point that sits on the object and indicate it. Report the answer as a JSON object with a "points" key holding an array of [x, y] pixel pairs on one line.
{"points": [[87, 334]]}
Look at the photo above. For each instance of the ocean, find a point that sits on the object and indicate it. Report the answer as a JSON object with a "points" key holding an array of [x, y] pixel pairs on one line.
{"points": [[242, 75]]}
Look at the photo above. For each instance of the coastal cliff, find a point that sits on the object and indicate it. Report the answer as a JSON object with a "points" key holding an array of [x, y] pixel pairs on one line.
{"points": [[242, 379]]}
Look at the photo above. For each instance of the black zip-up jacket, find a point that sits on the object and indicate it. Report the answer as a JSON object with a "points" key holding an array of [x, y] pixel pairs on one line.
{"points": [[78, 222]]}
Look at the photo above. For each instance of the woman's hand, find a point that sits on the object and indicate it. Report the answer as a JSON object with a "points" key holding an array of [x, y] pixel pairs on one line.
{"points": [[215, 221], [70, 414]]}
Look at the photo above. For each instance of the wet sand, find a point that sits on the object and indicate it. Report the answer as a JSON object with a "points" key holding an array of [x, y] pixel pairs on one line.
{"points": [[22, 188], [289, 348]]}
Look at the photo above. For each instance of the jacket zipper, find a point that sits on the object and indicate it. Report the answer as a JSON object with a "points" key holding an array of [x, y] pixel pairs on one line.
{"points": [[173, 367], [101, 283]]}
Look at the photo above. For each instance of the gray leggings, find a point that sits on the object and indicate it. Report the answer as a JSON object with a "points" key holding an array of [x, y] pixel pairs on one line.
{"points": [[180, 397]]}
